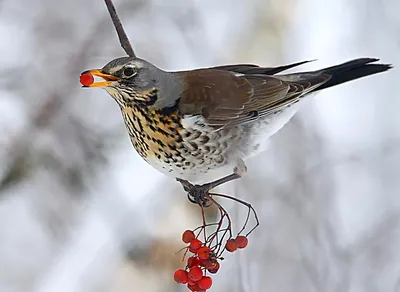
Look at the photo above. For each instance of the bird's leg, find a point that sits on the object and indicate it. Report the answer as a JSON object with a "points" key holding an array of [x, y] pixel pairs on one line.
{"points": [[197, 193]]}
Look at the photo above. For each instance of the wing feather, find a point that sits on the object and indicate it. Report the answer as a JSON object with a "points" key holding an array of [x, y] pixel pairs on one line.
{"points": [[225, 99]]}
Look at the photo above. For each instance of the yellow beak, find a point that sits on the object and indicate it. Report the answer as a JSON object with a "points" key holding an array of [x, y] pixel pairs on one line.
{"points": [[97, 72]]}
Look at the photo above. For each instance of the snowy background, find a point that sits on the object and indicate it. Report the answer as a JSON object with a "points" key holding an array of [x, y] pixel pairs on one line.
{"points": [[80, 211]]}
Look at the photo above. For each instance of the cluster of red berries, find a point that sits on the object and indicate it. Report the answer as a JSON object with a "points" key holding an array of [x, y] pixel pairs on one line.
{"points": [[203, 260]]}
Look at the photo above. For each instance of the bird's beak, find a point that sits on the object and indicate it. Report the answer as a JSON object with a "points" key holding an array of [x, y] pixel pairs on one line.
{"points": [[98, 73]]}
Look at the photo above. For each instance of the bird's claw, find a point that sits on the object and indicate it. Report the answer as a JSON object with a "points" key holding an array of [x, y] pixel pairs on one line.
{"points": [[187, 186], [197, 194]]}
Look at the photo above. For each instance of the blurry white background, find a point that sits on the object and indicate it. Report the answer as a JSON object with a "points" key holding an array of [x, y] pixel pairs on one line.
{"points": [[80, 211]]}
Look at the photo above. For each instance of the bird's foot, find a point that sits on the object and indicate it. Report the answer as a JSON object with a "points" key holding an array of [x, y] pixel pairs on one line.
{"points": [[197, 194]]}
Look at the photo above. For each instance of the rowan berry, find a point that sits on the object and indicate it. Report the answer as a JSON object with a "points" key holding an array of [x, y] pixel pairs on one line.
{"points": [[206, 263], [86, 79], [231, 245], [181, 276], [188, 236], [193, 287], [214, 268], [203, 252], [195, 244], [205, 283], [191, 282], [242, 241], [193, 261], [195, 274]]}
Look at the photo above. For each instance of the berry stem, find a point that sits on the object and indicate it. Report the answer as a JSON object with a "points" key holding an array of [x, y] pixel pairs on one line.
{"points": [[250, 210]]}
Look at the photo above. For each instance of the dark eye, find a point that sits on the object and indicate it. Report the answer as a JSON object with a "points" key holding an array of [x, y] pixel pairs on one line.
{"points": [[129, 72]]}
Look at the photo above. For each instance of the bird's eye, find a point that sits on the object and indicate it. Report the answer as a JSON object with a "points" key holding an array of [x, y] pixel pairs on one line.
{"points": [[129, 72]]}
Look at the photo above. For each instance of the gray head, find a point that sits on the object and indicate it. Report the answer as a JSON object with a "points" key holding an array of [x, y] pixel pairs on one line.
{"points": [[131, 80]]}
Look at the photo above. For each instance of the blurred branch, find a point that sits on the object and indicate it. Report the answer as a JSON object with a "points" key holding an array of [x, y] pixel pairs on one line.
{"points": [[19, 150], [375, 235]]}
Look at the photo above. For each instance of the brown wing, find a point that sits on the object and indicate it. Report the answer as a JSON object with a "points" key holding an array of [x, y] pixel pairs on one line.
{"points": [[219, 96], [226, 99]]}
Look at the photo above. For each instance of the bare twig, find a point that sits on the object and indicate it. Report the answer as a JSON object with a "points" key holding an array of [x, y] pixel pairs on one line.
{"points": [[123, 38], [42, 117]]}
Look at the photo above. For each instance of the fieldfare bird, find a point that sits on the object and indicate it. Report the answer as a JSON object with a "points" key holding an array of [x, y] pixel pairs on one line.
{"points": [[188, 123]]}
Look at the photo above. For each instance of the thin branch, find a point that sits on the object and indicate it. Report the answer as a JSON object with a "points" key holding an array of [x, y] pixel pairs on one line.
{"points": [[18, 149], [123, 38]]}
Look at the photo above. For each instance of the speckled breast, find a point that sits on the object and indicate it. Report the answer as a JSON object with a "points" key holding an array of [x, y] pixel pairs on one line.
{"points": [[163, 142]]}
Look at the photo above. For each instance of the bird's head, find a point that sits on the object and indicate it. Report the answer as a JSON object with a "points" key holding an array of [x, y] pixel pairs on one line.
{"points": [[129, 80]]}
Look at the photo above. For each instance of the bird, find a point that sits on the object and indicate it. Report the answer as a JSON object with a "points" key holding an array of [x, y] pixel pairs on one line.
{"points": [[187, 124]]}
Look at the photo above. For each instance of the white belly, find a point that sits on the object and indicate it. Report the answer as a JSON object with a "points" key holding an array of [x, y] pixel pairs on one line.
{"points": [[258, 133]]}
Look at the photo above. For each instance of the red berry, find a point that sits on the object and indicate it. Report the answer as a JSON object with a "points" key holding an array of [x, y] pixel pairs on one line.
{"points": [[205, 283], [181, 276], [242, 241], [204, 252], [193, 261], [214, 269], [206, 263], [193, 287], [188, 236], [231, 245], [191, 282], [195, 274], [195, 244], [86, 79]]}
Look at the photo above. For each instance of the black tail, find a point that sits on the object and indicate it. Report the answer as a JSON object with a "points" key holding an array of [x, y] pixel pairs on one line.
{"points": [[352, 70]]}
